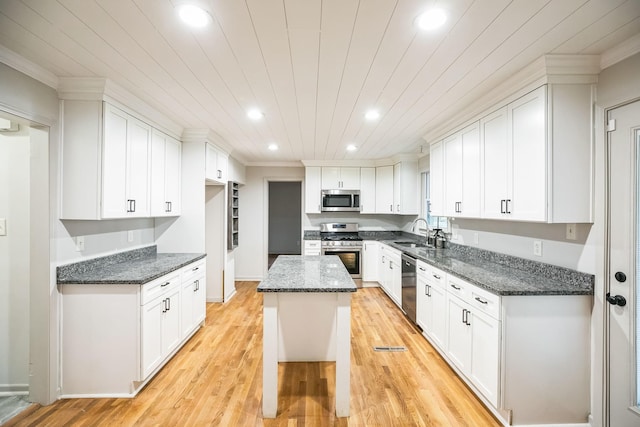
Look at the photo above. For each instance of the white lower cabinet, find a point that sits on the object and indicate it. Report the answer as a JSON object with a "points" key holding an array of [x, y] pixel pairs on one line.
{"points": [[193, 297], [431, 303], [518, 353], [390, 272], [115, 337], [312, 247], [160, 321], [370, 251]]}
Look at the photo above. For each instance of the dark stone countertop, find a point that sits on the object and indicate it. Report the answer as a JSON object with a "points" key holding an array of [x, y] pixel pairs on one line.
{"points": [[497, 273], [296, 273], [135, 267]]}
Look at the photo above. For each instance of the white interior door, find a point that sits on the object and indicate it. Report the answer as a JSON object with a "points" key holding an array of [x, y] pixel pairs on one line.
{"points": [[623, 267]]}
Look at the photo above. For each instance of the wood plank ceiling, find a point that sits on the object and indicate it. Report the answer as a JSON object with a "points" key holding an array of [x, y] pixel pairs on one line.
{"points": [[314, 67]]}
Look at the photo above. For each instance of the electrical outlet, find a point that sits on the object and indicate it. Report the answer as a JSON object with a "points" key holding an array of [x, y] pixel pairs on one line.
{"points": [[3, 226], [571, 232], [79, 243], [537, 248], [130, 236]]}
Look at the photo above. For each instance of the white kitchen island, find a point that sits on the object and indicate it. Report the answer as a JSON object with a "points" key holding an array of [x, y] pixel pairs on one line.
{"points": [[307, 317]]}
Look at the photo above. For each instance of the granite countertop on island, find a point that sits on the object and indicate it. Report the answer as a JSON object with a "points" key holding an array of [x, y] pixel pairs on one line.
{"points": [[296, 273], [135, 267]]}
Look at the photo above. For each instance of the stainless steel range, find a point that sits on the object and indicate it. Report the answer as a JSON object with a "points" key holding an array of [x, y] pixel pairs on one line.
{"points": [[342, 239]]}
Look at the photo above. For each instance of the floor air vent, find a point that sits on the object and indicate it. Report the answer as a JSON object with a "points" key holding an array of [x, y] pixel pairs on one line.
{"points": [[388, 348]]}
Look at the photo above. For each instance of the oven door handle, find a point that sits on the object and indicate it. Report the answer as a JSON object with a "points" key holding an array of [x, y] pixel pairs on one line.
{"points": [[342, 249]]}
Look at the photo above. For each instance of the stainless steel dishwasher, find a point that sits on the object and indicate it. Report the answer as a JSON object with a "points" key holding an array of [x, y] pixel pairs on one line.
{"points": [[409, 286]]}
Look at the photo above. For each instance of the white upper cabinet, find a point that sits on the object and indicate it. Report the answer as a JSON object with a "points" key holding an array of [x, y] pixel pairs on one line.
{"points": [[436, 179], [107, 162], [537, 157], [405, 188], [165, 175], [462, 173], [530, 160], [515, 142], [384, 189], [343, 178], [216, 165], [312, 189], [367, 190], [126, 165], [495, 145]]}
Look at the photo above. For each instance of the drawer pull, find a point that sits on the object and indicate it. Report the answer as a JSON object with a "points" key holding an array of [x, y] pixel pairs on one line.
{"points": [[481, 301], [195, 269], [422, 269], [166, 284], [437, 277], [457, 288]]}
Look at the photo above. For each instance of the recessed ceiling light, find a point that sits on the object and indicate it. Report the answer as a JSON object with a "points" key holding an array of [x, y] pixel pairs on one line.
{"points": [[273, 147], [255, 114], [431, 19], [372, 115], [351, 147], [194, 16]]}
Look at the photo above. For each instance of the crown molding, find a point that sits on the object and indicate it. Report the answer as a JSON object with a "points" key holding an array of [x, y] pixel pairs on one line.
{"points": [[618, 53], [205, 135], [103, 89], [558, 69], [31, 69], [275, 164]]}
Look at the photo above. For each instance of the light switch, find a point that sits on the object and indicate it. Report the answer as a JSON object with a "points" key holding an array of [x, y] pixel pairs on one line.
{"points": [[3, 226], [79, 243]]}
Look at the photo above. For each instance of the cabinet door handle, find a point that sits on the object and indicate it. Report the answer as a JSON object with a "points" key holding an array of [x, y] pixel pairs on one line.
{"points": [[507, 210], [502, 208], [130, 205], [133, 202], [168, 303], [481, 301], [164, 305], [391, 208], [219, 173], [398, 208], [196, 285], [426, 292], [457, 288], [465, 316]]}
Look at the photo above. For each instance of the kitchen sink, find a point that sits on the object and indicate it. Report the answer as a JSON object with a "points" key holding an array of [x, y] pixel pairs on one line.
{"points": [[412, 244]]}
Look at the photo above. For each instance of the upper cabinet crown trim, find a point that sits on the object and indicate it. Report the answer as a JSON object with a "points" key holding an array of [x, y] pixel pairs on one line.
{"points": [[103, 89], [579, 69]]}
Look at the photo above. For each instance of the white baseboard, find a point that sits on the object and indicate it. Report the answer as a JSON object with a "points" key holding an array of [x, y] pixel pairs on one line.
{"points": [[14, 389]]}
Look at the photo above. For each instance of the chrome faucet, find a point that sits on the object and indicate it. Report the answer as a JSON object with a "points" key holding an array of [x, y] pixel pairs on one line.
{"points": [[415, 221]]}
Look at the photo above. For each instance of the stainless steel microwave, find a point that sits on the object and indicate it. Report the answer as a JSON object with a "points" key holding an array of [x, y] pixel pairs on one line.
{"points": [[340, 200]]}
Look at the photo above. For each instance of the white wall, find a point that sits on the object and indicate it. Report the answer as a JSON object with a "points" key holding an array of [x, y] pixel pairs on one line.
{"points": [[251, 254], [14, 263]]}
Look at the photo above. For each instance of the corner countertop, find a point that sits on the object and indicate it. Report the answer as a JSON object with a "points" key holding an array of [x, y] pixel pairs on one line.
{"points": [[135, 267], [500, 274], [296, 273]]}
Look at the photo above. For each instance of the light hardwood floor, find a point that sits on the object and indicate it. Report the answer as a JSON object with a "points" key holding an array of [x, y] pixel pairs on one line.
{"points": [[216, 379]]}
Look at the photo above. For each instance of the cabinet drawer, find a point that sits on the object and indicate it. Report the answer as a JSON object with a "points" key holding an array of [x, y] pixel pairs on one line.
{"points": [[484, 301], [458, 287], [152, 290], [312, 244], [192, 271], [435, 277]]}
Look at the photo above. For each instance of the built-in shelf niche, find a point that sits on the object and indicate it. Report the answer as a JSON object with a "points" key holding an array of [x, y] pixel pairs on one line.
{"points": [[232, 227]]}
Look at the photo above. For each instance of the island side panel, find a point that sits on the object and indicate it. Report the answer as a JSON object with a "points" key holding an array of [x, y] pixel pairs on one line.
{"points": [[307, 326], [343, 354], [270, 355]]}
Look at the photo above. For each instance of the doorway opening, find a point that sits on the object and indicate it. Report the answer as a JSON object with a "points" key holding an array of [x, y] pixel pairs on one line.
{"points": [[24, 220], [285, 219]]}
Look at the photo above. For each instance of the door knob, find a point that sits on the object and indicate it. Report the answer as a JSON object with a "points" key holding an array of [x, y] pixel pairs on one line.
{"points": [[620, 277], [616, 300]]}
